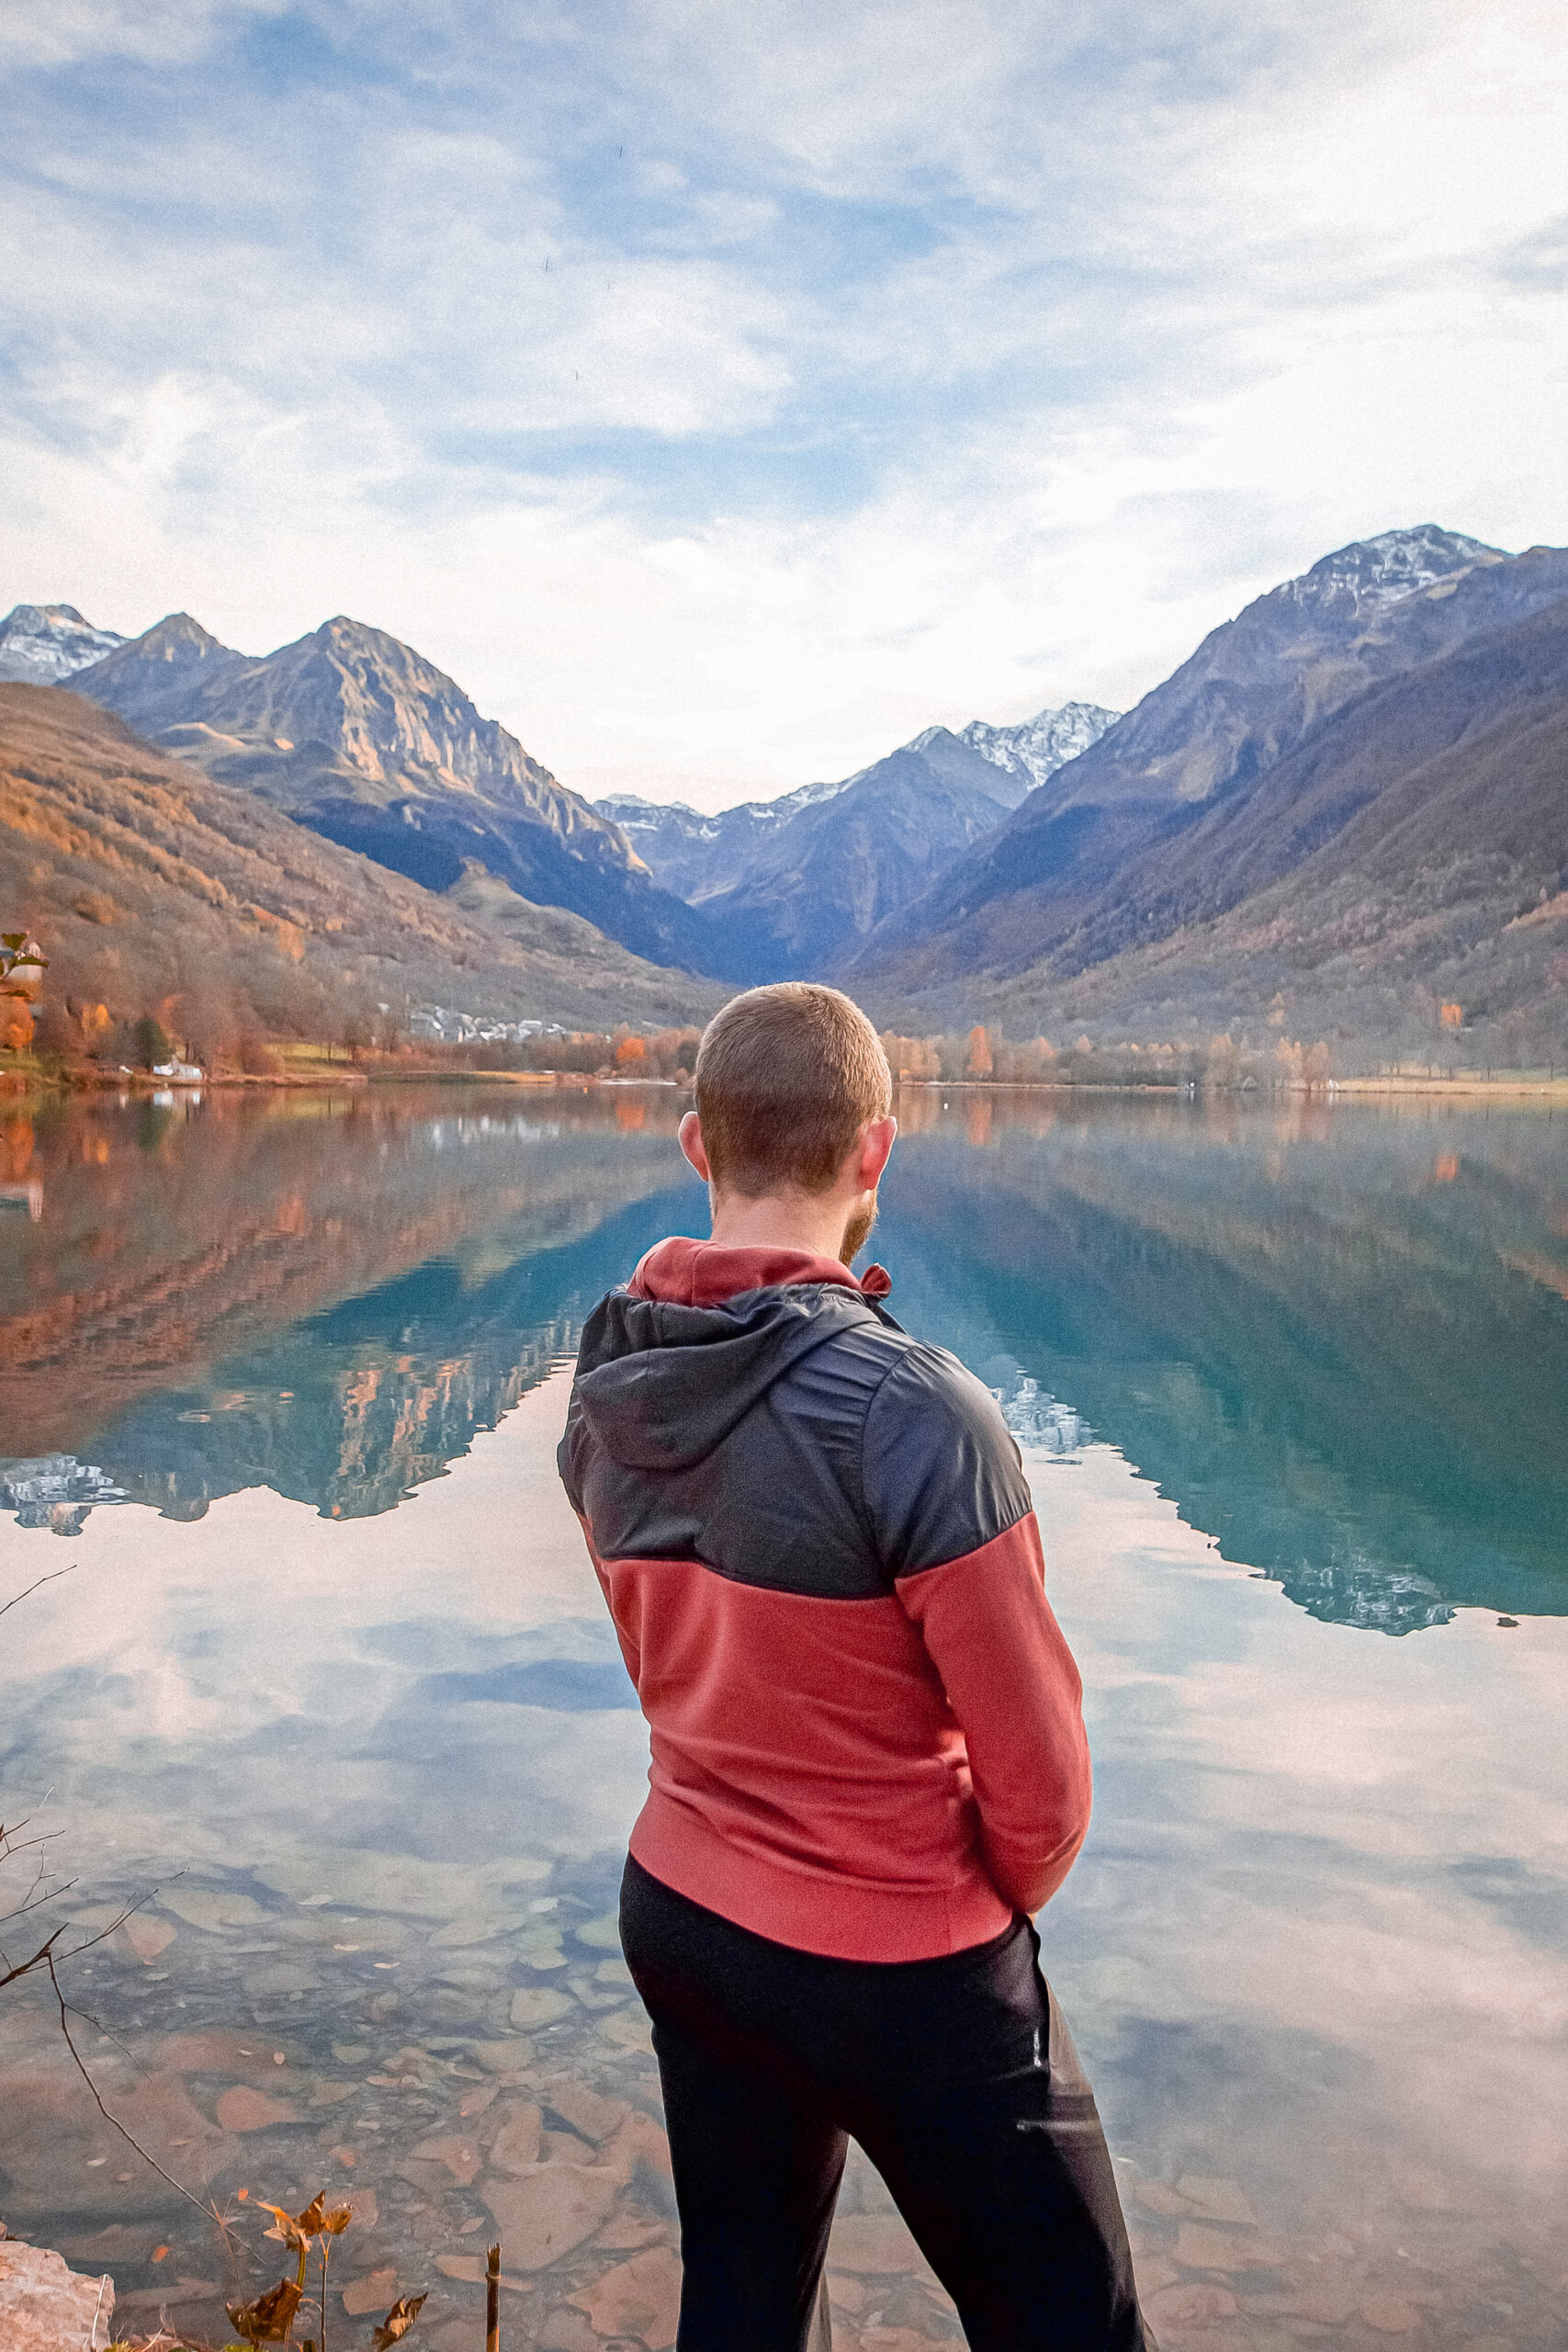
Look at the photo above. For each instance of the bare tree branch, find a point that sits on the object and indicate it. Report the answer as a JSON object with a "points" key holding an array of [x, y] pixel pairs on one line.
{"points": [[209, 2210], [53, 1578]]}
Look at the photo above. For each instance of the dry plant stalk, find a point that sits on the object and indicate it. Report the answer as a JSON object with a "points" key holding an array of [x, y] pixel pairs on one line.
{"points": [[270, 2318]]}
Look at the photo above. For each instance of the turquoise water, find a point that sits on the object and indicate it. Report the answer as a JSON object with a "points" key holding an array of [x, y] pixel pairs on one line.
{"points": [[327, 1683]]}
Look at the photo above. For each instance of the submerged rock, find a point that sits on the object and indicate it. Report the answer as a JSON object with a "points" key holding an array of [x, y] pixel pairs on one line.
{"points": [[542, 2214], [640, 2298]]}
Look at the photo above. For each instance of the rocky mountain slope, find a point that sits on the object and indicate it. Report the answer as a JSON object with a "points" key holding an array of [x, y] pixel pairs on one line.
{"points": [[1055, 885], [1037, 747], [700, 856], [789, 886], [696, 855], [151, 885], [354, 735], [1410, 851], [825, 880], [43, 644]]}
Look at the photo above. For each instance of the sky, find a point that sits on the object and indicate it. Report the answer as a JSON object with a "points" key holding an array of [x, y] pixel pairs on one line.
{"points": [[723, 394]]}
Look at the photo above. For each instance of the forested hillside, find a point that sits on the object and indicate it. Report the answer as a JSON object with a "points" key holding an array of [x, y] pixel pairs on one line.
{"points": [[151, 888]]}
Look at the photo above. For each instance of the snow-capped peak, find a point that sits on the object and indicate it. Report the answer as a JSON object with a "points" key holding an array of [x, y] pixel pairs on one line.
{"points": [[1375, 573], [1037, 747], [41, 644]]}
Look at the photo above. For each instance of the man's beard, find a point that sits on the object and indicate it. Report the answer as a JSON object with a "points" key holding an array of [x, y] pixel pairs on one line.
{"points": [[858, 1231]]}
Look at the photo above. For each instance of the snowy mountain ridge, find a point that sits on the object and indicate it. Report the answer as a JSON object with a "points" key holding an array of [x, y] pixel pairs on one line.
{"points": [[1034, 748], [1375, 573], [634, 814], [40, 645], [1037, 747]]}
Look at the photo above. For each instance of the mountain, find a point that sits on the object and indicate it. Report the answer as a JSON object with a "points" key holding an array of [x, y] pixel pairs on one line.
{"points": [[1039, 746], [790, 885], [699, 856], [354, 734], [41, 644], [1051, 888], [695, 855], [827, 876], [151, 886], [1411, 851]]}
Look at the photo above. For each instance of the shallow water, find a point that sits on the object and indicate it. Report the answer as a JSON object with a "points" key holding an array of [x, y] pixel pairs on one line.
{"points": [[329, 1682]]}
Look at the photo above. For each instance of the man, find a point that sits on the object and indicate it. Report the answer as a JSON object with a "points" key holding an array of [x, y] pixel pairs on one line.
{"points": [[868, 1755]]}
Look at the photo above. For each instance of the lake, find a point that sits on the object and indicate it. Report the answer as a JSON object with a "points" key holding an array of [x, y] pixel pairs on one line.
{"points": [[327, 1688]]}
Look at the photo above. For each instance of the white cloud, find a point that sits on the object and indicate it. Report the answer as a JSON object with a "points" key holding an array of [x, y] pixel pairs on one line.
{"points": [[890, 365]]}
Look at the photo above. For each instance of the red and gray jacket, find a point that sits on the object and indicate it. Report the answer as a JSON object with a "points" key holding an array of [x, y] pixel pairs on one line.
{"points": [[817, 1546]]}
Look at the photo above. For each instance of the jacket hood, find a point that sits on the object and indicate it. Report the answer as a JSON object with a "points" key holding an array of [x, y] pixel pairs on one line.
{"points": [[661, 1382], [703, 1273]]}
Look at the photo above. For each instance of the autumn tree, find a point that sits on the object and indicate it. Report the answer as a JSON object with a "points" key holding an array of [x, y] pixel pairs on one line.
{"points": [[979, 1061], [20, 966], [912, 1058]]}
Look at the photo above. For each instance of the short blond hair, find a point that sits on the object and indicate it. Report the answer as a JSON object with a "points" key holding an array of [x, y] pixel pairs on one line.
{"points": [[787, 1076]]}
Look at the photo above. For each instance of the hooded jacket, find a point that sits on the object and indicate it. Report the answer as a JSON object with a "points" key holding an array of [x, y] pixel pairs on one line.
{"points": [[817, 1546]]}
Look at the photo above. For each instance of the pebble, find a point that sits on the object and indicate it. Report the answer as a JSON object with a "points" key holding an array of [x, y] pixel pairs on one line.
{"points": [[544, 2212], [1391, 2314], [516, 2145], [875, 2242], [241, 2108], [538, 2004], [376, 2291], [639, 2298], [1177, 2306]]}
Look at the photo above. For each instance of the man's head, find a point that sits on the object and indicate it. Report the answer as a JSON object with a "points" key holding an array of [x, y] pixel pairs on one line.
{"points": [[793, 1097]]}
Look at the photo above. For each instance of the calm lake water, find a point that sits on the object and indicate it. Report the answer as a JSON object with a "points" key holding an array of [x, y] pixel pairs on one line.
{"points": [[329, 1682]]}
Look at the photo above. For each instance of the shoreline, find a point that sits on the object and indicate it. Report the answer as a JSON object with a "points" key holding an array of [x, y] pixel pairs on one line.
{"points": [[19, 1083]]}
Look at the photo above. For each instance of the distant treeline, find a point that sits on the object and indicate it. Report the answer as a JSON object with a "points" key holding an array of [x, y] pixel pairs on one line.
{"points": [[983, 1056], [977, 1056], [588, 1053]]}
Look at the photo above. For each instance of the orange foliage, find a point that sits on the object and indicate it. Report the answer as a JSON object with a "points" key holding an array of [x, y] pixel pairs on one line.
{"points": [[16, 1148]]}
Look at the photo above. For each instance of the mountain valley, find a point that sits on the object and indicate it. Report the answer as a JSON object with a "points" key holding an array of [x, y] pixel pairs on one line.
{"points": [[1346, 813]]}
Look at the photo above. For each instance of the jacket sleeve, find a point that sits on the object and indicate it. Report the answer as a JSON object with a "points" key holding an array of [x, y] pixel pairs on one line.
{"points": [[951, 1509]]}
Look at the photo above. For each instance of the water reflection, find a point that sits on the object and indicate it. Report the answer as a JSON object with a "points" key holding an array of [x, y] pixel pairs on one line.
{"points": [[351, 1712], [1337, 1338], [445, 1247]]}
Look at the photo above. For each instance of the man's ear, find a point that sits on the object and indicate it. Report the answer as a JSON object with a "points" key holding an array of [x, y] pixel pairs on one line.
{"points": [[877, 1144], [690, 1141]]}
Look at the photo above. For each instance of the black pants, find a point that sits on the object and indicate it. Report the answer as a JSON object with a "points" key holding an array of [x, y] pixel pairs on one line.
{"points": [[957, 2076]]}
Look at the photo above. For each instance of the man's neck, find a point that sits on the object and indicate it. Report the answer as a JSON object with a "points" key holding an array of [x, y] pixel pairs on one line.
{"points": [[815, 1222]]}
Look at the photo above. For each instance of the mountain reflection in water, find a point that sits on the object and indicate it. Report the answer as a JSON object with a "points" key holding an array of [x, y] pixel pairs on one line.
{"points": [[1337, 1338]]}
